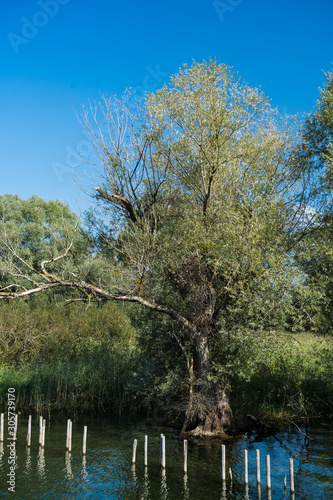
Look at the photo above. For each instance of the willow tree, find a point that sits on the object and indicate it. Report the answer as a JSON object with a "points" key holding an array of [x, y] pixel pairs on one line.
{"points": [[198, 192]]}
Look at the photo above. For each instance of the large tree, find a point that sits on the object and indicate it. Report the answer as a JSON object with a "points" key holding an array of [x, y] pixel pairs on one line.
{"points": [[200, 198]]}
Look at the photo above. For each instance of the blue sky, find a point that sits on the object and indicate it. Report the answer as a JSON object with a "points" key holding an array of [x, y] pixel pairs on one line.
{"points": [[56, 55]]}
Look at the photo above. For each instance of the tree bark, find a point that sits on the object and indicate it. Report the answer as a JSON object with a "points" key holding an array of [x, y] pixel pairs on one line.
{"points": [[214, 414]]}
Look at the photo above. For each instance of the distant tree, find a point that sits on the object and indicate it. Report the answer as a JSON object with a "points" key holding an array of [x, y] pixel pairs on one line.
{"points": [[201, 196], [33, 233], [314, 157]]}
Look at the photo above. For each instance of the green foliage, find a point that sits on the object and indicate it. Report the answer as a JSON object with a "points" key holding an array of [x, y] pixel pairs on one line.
{"points": [[315, 153], [315, 253], [229, 226], [66, 358], [39, 229], [201, 200], [289, 375], [33, 231]]}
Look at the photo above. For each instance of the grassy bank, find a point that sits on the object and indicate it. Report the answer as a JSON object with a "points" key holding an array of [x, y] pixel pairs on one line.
{"points": [[290, 376], [93, 382]]}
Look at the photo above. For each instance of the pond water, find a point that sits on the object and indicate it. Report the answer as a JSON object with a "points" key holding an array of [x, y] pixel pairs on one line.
{"points": [[106, 471]]}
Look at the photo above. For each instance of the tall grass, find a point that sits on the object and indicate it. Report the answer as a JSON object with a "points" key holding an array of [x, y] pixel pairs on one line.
{"points": [[290, 376], [73, 359]]}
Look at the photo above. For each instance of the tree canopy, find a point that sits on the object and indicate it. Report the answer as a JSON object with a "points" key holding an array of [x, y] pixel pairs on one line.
{"points": [[34, 233], [315, 156]]}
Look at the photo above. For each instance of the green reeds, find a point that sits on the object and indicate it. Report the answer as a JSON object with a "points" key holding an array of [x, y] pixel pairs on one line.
{"points": [[286, 376], [66, 359]]}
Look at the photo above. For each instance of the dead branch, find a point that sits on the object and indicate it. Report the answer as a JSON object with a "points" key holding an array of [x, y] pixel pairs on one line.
{"points": [[120, 201], [298, 429]]}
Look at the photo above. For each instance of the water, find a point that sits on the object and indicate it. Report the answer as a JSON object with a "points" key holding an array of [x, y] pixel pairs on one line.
{"points": [[106, 471]]}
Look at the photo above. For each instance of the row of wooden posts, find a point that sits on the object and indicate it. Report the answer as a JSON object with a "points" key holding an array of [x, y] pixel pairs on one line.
{"points": [[246, 464], [42, 428], [41, 440]]}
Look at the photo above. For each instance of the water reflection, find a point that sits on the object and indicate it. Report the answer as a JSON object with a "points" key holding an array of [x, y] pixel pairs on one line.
{"points": [[68, 465], [106, 471], [84, 468], [164, 486], [41, 464], [146, 486], [186, 488], [224, 491], [28, 463]]}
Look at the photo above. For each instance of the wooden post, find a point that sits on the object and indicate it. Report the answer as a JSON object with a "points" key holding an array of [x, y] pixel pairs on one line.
{"points": [[223, 461], [67, 433], [246, 464], [258, 465], [185, 456], [29, 432], [146, 452], [162, 451], [268, 471], [285, 483], [2, 426], [291, 469], [40, 437], [15, 426], [70, 437], [135, 444], [161, 439], [43, 433], [84, 446]]}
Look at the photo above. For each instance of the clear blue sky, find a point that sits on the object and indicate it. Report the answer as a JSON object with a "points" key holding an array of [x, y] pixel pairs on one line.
{"points": [[58, 54]]}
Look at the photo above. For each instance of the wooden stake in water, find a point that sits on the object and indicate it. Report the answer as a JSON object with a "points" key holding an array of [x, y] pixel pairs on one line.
{"points": [[146, 452], [268, 471], [15, 426], [70, 437], [163, 451], [29, 432], [246, 467], [40, 437], [2, 426], [67, 433], [135, 444], [185, 456], [43, 432], [84, 446], [291, 470], [223, 461], [258, 465]]}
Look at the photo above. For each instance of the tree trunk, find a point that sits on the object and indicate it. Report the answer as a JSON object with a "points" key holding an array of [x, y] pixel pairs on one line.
{"points": [[212, 406]]}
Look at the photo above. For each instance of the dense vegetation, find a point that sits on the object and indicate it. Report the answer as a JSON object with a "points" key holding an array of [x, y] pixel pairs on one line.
{"points": [[66, 359], [212, 240]]}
